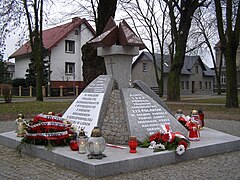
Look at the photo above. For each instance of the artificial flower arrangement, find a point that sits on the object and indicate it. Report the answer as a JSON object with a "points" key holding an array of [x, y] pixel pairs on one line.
{"points": [[165, 139], [193, 123], [47, 129]]}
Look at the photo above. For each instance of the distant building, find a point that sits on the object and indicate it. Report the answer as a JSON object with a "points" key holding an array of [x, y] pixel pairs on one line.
{"points": [[223, 68], [195, 78], [64, 43]]}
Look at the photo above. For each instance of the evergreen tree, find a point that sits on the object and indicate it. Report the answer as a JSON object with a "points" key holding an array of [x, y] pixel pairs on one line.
{"points": [[5, 76], [31, 71]]}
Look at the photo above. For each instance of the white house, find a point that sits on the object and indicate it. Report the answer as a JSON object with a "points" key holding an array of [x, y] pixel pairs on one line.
{"points": [[64, 44]]}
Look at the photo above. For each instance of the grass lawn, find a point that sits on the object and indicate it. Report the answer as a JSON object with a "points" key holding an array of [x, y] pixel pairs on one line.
{"points": [[210, 111], [30, 109], [211, 100], [10, 111]]}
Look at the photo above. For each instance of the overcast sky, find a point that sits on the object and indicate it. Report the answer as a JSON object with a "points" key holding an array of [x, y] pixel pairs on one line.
{"points": [[11, 41]]}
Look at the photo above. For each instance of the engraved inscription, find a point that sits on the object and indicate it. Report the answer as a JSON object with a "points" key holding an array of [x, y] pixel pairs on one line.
{"points": [[148, 116]]}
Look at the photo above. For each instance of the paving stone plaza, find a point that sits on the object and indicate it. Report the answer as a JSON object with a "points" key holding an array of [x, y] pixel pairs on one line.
{"points": [[223, 166]]}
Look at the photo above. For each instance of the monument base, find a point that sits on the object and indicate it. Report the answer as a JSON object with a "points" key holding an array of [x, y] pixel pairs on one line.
{"points": [[121, 161]]}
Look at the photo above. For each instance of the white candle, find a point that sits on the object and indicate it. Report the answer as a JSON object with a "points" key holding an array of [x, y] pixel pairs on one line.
{"points": [[96, 148], [82, 148]]}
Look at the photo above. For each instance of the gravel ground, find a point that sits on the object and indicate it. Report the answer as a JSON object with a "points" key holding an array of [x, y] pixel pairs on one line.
{"points": [[223, 166]]}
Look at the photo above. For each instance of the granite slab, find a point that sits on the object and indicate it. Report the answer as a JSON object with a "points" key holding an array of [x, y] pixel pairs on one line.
{"points": [[120, 160]]}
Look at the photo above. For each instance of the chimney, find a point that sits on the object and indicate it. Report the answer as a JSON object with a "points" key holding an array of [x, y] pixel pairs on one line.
{"points": [[75, 19]]}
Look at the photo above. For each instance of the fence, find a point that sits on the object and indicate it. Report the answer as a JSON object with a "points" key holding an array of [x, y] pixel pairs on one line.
{"points": [[54, 92]]}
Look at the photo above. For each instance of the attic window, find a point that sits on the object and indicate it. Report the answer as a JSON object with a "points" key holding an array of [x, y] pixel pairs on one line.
{"points": [[76, 32], [69, 46], [196, 69], [144, 67]]}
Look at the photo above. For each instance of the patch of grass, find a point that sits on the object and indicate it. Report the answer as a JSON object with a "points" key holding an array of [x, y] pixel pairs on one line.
{"points": [[209, 100], [9, 111], [31, 109], [210, 111], [221, 100]]}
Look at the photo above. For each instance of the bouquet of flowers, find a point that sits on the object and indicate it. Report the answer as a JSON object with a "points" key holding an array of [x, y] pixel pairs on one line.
{"points": [[166, 139]]}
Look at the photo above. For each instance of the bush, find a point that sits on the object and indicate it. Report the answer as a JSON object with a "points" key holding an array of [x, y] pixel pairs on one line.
{"points": [[6, 90], [19, 82]]}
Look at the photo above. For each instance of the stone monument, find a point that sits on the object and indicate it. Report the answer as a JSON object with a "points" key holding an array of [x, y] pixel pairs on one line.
{"points": [[111, 102]]}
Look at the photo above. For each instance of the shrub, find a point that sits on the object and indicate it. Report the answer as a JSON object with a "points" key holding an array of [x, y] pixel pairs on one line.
{"points": [[19, 82], [6, 90]]}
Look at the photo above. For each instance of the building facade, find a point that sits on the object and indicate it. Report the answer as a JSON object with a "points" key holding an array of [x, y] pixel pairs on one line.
{"points": [[195, 77], [223, 67], [64, 58]]}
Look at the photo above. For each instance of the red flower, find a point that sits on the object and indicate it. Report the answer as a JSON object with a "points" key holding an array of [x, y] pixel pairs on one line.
{"points": [[155, 137], [165, 137], [184, 143]]}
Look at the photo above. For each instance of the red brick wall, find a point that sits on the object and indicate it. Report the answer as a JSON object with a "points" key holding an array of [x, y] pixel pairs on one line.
{"points": [[68, 84]]}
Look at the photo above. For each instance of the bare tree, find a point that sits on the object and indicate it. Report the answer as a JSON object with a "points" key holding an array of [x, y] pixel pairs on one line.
{"points": [[15, 13], [229, 33], [11, 12], [206, 27], [35, 27], [149, 21], [181, 13]]}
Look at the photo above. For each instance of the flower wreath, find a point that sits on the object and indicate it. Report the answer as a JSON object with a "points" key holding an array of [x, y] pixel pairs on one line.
{"points": [[166, 139], [49, 130]]}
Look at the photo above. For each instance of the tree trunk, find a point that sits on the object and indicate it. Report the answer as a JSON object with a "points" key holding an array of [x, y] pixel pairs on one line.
{"points": [[231, 78], [173, 92], [106, 9], [173, 86], [218, 75], [180, 34], [161, 82], [92, 64], [39, 71], [229, 40]]}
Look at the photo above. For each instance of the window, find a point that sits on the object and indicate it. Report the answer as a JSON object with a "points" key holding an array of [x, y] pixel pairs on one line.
{"points": [[76, 32], [196, 69], [144, 67], [69, 68], [187, 84], [69, 46], [182, 84], [210, 85], [223, 79], [205, 85], [200, 84]]}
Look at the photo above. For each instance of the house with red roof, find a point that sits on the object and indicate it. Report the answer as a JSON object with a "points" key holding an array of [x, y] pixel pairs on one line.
{"points": [[64, 43]]}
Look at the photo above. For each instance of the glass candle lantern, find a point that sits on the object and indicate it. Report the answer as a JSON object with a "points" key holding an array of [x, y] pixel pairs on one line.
{"points": [[132, 143], [20, 130], [82, 142], [96, 143], [73, 143], [201, 116]]}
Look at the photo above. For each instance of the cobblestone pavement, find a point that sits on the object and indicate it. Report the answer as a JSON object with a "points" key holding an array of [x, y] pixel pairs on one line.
{"points": [[223, 166]]}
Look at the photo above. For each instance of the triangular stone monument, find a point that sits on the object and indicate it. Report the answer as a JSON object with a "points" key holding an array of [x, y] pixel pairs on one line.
{"points": [[110, 103]]}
